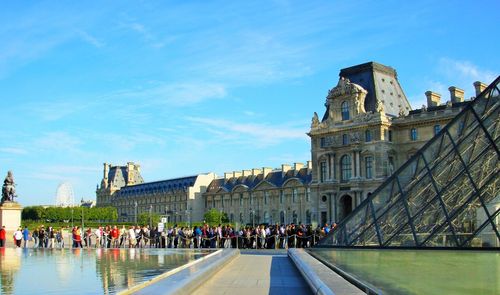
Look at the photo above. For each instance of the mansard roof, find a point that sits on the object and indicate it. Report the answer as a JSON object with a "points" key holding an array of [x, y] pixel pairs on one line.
{"points": [[118, 175], [162, 186], [276, 178], [381, 83]]}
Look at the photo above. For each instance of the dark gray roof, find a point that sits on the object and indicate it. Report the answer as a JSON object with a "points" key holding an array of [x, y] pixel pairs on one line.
{"points": [[381, 82], [275, 178], [118, 176], [162, 186]]}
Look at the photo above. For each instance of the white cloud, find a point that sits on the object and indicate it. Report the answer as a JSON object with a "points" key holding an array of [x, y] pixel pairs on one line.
{"points": [[90, 39], [58, 141], [464, 70], [261, 135], [13, 150]]}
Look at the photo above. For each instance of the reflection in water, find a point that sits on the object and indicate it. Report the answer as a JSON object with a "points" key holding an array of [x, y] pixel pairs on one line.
{"points": [[420, 271], [85, 271]]}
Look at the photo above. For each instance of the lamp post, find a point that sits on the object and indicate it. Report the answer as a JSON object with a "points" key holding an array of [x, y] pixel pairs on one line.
{"points": [[150, 216], [135, 217], [253, 217]]}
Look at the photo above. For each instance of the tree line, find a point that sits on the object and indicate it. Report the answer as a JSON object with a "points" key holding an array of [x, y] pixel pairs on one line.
{"points": [[61, 214]]}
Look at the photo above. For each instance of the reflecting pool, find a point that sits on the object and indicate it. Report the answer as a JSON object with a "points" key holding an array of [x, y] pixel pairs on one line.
{"points": [[85, 271], [419, 272]]}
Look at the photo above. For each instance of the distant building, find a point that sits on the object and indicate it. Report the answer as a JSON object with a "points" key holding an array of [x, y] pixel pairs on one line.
{"points": [[178, 199], [368, 131], [263, 195], [88, 203]]}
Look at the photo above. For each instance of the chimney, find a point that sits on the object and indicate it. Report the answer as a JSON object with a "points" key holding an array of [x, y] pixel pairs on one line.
{"points": [[298, 166], [285, 168], [479, 86], [130, 173], [246, 172], [266, 171], [228, 175], [106, 171], [456, 94], [256, 171], [433, 98], [236, 174]]}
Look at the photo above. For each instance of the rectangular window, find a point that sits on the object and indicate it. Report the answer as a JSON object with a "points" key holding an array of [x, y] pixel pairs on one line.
{"points": [[437, 128], [241, 200], [281, 197], [390, 135], [266, 196], [294, 195], [308, 194], [413, 134], [251, 199], [222, 201], [322, 172], [322, 142], [369, 167]]}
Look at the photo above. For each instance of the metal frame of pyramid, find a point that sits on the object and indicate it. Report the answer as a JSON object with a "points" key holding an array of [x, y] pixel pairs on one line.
{"points": [[446, 195]]}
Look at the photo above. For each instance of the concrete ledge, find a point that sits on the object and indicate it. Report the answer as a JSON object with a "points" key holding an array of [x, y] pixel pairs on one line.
{"points": [[320, 278], [187, 278]]}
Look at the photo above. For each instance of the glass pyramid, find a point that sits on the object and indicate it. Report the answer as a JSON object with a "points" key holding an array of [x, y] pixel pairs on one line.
{"points": [[446, 195]]}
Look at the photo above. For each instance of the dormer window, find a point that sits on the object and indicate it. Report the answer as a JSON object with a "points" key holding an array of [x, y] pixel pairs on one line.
{"points": [[344, 108]]}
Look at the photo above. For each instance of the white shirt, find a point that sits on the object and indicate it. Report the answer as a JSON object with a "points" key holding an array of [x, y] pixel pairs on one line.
{"points": [[18, 235]]}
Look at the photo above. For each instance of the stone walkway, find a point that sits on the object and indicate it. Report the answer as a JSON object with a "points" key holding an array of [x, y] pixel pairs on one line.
{"points": [[255, 273]]}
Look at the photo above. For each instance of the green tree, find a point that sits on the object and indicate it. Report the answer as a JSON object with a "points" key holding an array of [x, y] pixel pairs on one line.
{"points": [[214, 216], [143, 218]]}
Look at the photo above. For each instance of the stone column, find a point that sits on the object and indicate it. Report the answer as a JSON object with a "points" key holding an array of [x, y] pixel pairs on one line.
{"points": [[353, 165]]}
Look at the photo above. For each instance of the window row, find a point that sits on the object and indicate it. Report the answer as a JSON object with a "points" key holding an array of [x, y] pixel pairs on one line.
{"points": [[266, 198]]}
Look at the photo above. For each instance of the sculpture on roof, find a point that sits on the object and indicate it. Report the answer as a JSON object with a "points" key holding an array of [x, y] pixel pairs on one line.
{"points": [[315, 121], [379, 107], [8, 188]]}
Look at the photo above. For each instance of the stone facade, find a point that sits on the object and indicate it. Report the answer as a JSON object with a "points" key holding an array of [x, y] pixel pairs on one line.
{"points": [[177, 199], [264, 195], [367, 132]]}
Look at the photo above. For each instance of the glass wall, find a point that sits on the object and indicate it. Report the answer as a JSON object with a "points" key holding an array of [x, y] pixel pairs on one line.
{"points": [[446, 195]]}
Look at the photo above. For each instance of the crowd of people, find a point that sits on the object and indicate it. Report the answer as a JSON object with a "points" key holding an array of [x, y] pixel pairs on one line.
{"points": [[205, 236]]}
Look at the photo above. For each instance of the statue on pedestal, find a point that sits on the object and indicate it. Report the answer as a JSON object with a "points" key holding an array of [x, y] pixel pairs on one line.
{"points": [[8, 188]]}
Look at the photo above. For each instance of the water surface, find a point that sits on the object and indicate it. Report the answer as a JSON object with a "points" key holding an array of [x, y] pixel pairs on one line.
{"points": [[85, 271], [420, 271]]}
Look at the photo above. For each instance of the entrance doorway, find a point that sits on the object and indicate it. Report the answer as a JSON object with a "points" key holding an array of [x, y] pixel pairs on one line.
{"points": [[345, 206]]}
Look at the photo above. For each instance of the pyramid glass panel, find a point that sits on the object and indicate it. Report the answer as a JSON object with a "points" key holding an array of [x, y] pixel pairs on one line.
{"points": [[447, 195]]}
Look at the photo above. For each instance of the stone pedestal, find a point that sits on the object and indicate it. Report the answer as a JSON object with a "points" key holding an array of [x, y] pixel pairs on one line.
{"points": [[10, 215]]}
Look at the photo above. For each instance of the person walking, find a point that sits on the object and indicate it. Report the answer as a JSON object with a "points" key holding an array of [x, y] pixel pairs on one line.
{"points": [[2, 236], [35, 237], [26, 236], [18, 236]]}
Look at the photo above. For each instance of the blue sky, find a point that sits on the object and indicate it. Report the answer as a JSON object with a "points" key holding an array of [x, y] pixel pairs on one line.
{"points": [[185, 87]]}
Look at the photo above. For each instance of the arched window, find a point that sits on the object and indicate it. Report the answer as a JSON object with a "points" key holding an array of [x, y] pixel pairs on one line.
{"points": [[345, 164], [368, 136], [345, 110], [413, 134]]}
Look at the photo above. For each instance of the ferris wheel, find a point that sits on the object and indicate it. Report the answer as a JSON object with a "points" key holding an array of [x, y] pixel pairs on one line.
{"points": [[64, 195]]}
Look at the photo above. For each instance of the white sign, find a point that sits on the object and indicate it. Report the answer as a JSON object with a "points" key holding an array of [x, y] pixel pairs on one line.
{"points": [[163, 220], [161, 226]]}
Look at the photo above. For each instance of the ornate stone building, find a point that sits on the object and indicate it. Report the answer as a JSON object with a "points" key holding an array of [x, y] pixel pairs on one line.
{"points": [[264, 195], [369, 130], [178, 199]]}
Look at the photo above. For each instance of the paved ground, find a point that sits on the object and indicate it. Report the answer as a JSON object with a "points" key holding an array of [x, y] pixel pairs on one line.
{"points": [[257, 272]]}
